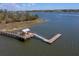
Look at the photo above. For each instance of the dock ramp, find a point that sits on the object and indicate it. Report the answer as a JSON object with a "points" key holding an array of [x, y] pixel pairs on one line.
{"points": [[48, 40]]}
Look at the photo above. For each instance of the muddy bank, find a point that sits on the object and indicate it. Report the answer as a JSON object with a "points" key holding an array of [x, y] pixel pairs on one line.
{"points": [[19, 25]]}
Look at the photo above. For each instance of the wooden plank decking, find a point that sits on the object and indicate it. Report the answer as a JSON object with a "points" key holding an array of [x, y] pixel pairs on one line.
{"points": [[48, 40], [54, 38], [14, 35]]}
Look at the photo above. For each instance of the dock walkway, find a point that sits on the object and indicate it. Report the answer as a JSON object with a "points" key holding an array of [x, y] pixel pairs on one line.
{"points": [[48, 40], [15, 35]]}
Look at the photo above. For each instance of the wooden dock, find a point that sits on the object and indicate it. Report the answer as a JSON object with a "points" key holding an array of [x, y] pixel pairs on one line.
{"points": [[54, 38], [48, 40], [20, 37], [13, 35]]}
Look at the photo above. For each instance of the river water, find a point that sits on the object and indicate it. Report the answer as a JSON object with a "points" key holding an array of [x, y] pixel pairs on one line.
{"points": [[67, 45]]}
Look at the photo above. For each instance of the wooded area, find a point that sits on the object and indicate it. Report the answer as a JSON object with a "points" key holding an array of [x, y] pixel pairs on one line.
{"points": [[16, 16]]}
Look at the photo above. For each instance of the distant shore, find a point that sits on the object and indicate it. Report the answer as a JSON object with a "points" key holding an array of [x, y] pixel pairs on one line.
{"points": [[56, 10], [19, 25]]}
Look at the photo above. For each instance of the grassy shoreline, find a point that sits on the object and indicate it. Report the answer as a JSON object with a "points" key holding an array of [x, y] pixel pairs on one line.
{"points": [[19, 25]]}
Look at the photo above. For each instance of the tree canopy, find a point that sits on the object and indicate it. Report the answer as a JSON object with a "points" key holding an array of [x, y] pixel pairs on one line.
{"points": [[16, 16]]}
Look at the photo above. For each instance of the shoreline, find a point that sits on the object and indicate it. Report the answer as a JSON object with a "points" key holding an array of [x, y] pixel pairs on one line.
{"points": [[10, 27]]}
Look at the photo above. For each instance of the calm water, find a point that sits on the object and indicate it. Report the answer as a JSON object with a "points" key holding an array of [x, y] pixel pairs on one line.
{"points": [[68, 44]]}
